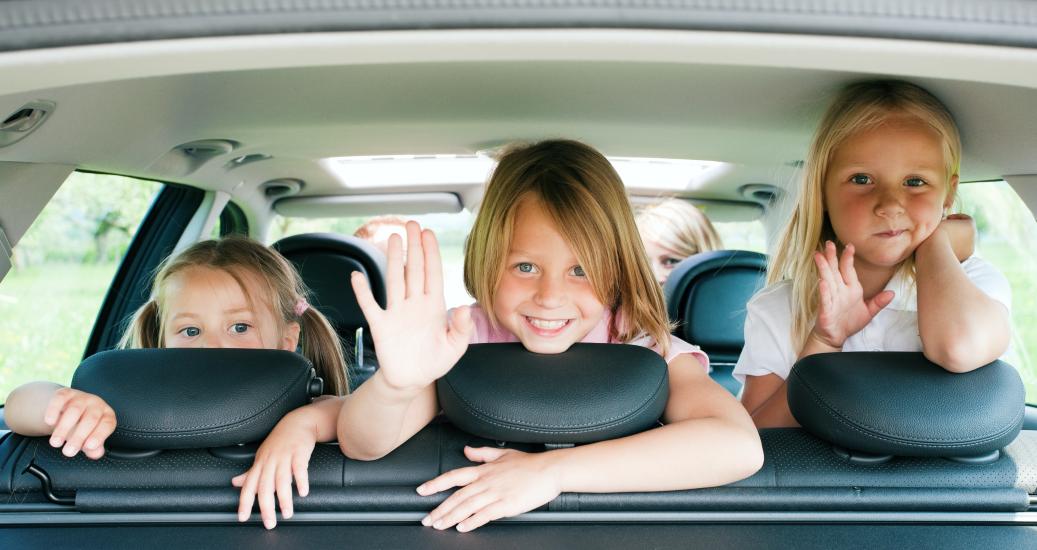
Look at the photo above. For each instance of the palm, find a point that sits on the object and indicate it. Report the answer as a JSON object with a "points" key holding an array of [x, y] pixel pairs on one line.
{"points": [[415, 344], [842, 309]]}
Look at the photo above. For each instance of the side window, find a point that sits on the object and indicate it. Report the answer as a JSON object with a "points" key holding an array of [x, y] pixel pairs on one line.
{"points": [[62, 268], [1007, 238]]}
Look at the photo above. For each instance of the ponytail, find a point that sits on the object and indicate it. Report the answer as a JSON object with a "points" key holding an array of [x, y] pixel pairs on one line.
{"points": [[145, 329], [322, 347]]}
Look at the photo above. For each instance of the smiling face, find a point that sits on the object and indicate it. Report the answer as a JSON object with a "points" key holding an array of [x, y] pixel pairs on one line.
{"points": [[544, 298], [886, 189], [208, 308]]}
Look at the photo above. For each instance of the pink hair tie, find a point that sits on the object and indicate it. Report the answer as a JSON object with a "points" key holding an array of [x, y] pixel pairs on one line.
{"points": [[301, 306]]}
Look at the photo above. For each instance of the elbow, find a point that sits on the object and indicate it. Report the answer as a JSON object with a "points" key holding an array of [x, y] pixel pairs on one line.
{"points": [[354, 453], [752, 455], [956, 357]]}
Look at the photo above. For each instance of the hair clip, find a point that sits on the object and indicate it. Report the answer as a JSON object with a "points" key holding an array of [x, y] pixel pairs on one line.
{"points": [[301, 306]]}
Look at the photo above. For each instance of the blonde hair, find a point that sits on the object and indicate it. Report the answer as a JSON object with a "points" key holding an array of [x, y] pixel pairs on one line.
{"points": [[281, 285], [583, 194], [858, 107], [679, 226]]}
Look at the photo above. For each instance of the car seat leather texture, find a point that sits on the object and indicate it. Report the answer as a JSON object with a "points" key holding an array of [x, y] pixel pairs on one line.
{"points": [[706, 295], [900, 403], [325, 262], [191, 398], [589, 393]]}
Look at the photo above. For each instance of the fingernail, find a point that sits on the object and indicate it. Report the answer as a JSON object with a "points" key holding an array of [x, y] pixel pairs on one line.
{"points": [[426, 521], [55, 442], [438, 525], [269, 523], [421, 490], [242, 517], [69, 451], [461, 527], [91, 444], [287, 516]]}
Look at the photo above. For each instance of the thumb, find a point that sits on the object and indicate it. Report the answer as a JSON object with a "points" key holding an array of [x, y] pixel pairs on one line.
{"points": [[461, 326], [238, 480], [484, 454], [879, 301]]}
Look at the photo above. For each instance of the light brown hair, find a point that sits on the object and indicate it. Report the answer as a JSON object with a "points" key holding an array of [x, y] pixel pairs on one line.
{"points": [[282, 289], [858, 107], [679, 226], [583, 194]]}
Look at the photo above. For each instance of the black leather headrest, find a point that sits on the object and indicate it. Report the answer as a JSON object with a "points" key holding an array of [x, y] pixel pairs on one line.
{"points": [[325, 260], [706, 296], [591, 392], [899, 403], [193, 398]]}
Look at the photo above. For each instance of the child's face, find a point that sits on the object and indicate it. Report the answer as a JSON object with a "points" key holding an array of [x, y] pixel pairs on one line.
{"points": [[207, 308], [663, 259], [886, 190], [544, 298]]}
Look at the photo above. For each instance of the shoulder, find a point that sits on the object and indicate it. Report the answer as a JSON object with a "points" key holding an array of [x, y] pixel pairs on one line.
{"points": [[774, 301]]}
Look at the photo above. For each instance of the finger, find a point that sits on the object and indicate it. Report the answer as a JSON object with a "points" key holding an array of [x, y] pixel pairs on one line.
{"points": [[846, 269], [364, 298], [447, 507], [66, 423], [247, 497], [465, 509], [489, 513], [879, 301], [433, 263], [460, 327], [831, 256], [453, 478], [87, 422], [94, 445], [265, 496], [300, 468], [824, 271], [824, 302], [415, 268], [55, 406], [484, 454], [239, 480], [283, 482], [395, 286]]}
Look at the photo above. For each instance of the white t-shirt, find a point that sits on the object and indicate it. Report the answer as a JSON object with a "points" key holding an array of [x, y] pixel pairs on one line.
{"points": [[768, 322]]}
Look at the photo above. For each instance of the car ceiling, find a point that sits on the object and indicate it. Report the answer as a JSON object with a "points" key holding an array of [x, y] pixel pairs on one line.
{"points": [[743, 98]]}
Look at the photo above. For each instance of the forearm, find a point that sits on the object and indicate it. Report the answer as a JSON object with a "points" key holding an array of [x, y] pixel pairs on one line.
{"points": [[703, 452], [961, 328], [320, 417], [775, 412], [376, 418], [25, 406]]}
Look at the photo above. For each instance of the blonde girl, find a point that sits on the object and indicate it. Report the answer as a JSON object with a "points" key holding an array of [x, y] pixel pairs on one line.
{"points": [[554, 258], [870, 260], [230, 293], [673, 230]]}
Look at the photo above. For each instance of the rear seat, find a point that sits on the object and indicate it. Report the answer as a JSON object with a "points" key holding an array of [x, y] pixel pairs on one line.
{"points": [[325, 260], [706, 296]]}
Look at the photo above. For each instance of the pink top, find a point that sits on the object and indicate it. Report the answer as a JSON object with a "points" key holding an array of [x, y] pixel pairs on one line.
{"points": [[486, 334]]}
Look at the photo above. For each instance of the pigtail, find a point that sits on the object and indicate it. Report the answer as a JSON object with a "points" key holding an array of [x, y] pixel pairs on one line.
{"points": [[322, 347], [145, 328]]}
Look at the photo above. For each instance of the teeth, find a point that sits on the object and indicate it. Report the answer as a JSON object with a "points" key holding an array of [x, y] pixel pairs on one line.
{"points": [[545, 324]]}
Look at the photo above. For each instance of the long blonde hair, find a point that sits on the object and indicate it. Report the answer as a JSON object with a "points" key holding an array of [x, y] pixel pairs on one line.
{"points": [[858, 107], [585, 197], [281, 285], [679, 226]]}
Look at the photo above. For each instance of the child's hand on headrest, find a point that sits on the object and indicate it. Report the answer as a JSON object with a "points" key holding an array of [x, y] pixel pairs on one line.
{"points": [[81, 421]]}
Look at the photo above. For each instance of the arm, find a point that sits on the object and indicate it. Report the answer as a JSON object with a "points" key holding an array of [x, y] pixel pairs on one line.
{"points": [[415, 346], [962, 328], [709, 440], [75, 420]]}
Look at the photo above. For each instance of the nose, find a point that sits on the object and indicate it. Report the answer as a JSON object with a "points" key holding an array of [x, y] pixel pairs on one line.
{"points": [[889, 204], [210, 340], [550, 292]]}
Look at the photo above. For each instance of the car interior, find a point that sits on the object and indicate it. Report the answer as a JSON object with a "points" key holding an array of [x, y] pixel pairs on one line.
{"points": [[243, 129]]}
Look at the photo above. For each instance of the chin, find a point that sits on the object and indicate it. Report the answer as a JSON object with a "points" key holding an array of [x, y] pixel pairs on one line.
{"points": [[539, 345]]}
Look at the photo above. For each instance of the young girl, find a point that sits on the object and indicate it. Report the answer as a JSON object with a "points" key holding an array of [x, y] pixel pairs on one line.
{"points": [[230, 293], [673, 230], [870, 261]]}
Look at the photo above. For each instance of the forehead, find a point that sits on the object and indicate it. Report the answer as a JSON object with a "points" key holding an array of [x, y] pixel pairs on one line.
{"points": [[895, 138], [200, 287]]}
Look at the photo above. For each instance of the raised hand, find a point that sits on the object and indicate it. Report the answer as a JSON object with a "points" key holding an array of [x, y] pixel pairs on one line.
{"points": [[415, 343], [81, 421], [842, 310], [509, 483]]}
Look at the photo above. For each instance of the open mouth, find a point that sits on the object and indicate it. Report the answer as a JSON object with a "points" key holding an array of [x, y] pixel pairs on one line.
{"points": [[546, 327]]}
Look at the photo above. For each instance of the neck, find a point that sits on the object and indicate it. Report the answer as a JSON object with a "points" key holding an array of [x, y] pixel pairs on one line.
{"points": [[873, 278]]}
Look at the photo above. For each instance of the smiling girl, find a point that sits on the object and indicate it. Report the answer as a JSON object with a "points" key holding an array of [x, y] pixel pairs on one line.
{"points": [[870, 260]]}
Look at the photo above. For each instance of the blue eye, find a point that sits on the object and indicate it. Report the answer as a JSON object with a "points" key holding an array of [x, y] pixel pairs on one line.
{"points": [[578, 271], [240, 328], [914, 182], [860, 179], [190, 332], [525, 267]]}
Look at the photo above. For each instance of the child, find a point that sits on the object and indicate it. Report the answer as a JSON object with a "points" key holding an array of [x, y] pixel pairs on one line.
{"points": [[230, 293], [870, 261], [673, 230], [554, 258]]}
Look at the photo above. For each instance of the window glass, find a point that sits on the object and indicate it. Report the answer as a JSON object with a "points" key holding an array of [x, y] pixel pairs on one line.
{"points": [[1007, 238], [451, 231], [742, 235], [62, 268]]}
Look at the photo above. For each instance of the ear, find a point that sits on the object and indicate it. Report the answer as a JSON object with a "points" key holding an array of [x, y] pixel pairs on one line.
{"points": [[290, 337], [952, 191]]}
